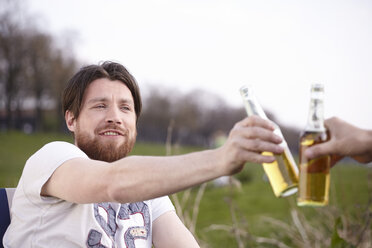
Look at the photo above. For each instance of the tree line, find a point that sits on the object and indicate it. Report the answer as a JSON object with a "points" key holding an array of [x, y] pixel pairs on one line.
{"points": [[34, 69]]}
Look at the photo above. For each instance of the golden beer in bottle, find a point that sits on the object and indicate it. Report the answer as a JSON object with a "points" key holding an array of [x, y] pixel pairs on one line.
{"points": [[283, 172], [314, 173]]}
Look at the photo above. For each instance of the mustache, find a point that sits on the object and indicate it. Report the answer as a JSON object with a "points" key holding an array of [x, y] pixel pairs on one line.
{"points": [[113, 126]]}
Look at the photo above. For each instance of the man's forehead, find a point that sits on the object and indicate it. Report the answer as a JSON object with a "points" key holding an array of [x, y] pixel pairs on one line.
{"points": [[106, 90]]}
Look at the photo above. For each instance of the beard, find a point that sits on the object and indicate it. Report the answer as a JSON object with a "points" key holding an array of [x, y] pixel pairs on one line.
{"points": [[107, 151]]}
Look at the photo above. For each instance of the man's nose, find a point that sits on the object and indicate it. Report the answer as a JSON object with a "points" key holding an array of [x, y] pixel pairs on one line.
{"points": [[113, 116]]}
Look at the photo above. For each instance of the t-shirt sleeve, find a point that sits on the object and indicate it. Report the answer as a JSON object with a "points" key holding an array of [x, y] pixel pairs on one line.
{"points": [[40, 166], [160, 206]]}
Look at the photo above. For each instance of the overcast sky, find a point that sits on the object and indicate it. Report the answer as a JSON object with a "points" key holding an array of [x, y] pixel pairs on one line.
{"points": [[279, 47]]}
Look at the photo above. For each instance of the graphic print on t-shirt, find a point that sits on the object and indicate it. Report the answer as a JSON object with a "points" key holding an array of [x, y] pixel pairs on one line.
{"points": [[133, 219]]}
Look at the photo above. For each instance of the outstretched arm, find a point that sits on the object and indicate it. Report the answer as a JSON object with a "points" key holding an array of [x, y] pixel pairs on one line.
{"points": [[138, 178], [346, 140]]}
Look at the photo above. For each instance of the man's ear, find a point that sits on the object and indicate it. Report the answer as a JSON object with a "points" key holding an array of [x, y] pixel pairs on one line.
{"points": [[70, 120]]}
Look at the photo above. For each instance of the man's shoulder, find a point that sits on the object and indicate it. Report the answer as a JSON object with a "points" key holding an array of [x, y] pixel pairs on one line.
{"points": [[57, 144], [57, 150]]}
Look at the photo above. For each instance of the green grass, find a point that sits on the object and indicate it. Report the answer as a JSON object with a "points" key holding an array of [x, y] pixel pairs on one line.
{"points": [[16, 148], [349, 192]]}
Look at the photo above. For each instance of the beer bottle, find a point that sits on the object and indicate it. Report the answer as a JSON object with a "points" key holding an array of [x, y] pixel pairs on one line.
{"points": [[314, 174], [283, 172]]}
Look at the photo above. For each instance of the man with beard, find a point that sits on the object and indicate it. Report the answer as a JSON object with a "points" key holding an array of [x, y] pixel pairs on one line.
{"points": [[91, 194]]}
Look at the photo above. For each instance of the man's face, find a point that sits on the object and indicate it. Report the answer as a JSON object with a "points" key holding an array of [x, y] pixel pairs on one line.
{"points": [[106, 127]]}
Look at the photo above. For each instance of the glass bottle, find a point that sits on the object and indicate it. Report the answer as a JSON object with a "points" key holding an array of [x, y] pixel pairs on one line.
{"points": [[314, 173], [283, 172]]}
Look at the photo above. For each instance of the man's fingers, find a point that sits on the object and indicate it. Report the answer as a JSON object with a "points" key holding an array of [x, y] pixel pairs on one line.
{"points": [[257, 133], [318, 150], [258, 158], [257, 121], [255, 127], [321, 150], [252, 136], [262, 134], [257, 145]]}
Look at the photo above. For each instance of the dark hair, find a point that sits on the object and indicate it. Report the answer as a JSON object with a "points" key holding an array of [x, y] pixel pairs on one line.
{"points": [[73, 94]]}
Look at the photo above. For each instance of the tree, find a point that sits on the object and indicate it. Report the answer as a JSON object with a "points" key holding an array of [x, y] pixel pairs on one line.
{"points": [[156, 115], [39, 70], [62, 69], [31, 67], [12, 54]]}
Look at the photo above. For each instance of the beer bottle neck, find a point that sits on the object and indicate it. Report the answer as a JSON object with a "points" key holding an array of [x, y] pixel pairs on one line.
{"points": [[315, 121], [251, 103]]}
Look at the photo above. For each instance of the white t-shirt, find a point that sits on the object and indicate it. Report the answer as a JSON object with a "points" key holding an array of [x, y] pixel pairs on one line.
{"points": [[39, 221]]}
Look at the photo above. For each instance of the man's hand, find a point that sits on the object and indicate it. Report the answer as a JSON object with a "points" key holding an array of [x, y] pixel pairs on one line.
{"points": [[346, 140], [247, 140]]}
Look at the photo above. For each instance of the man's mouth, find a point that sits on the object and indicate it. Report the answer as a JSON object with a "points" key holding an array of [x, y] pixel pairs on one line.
{"points": [[111, 133]]}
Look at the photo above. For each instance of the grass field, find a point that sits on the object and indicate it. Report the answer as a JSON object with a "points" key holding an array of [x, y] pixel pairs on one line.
{"points": [[246, 216]]}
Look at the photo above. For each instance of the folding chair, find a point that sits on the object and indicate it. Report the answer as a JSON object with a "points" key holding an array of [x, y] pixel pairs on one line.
{"points": [[6, 196]]}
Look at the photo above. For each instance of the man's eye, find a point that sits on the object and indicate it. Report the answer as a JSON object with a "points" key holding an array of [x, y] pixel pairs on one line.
{"points": [[127, 108], [101, 106]]}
